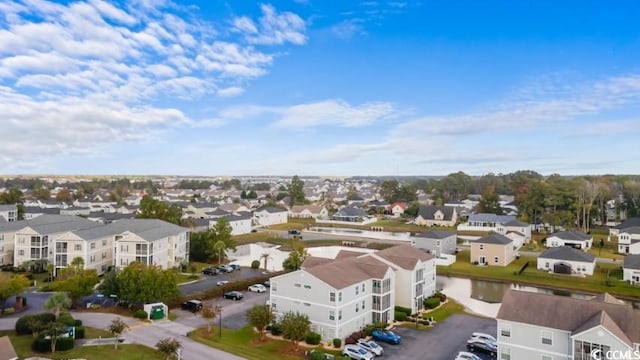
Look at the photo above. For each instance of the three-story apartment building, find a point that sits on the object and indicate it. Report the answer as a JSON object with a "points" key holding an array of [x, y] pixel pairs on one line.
{"points": [[152, 242], [9, 213]]}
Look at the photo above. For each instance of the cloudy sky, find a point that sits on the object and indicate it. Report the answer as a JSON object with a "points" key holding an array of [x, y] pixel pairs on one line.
{"points": [[313, 87]]}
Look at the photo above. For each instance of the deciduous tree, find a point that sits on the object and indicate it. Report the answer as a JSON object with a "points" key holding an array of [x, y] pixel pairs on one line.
{"points": [[296, 191], [168, 347], [11, 286], [260, 316], [295, 326], [117, 327], [209, 313], [140, 283]]}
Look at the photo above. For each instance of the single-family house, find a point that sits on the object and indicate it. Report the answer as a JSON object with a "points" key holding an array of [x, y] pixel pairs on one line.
{"points": [[567, 260], [630, 222], [432, 215], [76, 211], [32, 212], [631, 269], [547, 327], [349, 213], [239, 223], [487, 222], [269, 215], [397, 208], [519, 227], [437, 242], [9, 212], [494, 250], [577, 239], [629, 240], [309, 211]]}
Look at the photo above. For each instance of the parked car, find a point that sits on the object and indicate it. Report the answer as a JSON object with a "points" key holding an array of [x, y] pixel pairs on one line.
{"points": [[387, 336], [463, 355], [254, 230], [210, 271], [356, 352], [267, 283], [486, 347], [222, 282], [483, 337], [226, 268], [235, 266], [259, 288], [233, 295], [192, 305], [371, 346], [294, 232]]}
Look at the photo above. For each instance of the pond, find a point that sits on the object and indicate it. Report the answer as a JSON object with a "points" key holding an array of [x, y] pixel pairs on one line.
{"points": [[484, 297], [383, 235]]}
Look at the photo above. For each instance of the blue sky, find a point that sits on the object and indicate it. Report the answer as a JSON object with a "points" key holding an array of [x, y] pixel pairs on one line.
{"points": [[319, 87]]}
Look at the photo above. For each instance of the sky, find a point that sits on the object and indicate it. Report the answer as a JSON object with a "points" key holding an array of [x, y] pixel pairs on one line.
{"points": [[323, 88]]}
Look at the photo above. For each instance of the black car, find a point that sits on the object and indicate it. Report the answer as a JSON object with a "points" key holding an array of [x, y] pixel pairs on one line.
{"points": [[294, 232], [233, 295], [210, 271], [267, 283], [192, 305], [478, 345]]}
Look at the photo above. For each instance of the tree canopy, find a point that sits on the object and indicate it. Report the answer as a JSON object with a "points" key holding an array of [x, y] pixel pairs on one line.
{"points": [[140, 284], [11, 285], [296, 191], [151, 208]]}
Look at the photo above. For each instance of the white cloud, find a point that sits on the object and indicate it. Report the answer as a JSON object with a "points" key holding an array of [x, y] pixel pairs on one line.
{"points": [[346, 29], [334, 113], [273, 28], [76, 77]]}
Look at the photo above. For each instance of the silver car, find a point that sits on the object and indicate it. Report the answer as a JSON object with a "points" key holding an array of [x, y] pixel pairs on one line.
{"points": [[371, 346]]}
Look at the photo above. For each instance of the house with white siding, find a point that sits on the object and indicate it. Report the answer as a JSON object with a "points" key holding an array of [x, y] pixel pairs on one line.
{"points": [[94, 245], [574, 238], [9, 212], [566, 260], [629, 240], [631, 269], [239, 223], [437, 242], [269, 215], [431, 215], [309, 211], [549, 327], [486, 222]]}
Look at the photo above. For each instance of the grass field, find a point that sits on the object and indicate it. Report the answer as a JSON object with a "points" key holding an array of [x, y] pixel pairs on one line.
{"points": [[591, 284]]}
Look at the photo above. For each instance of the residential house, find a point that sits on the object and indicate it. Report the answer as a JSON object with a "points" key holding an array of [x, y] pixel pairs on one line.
{"points": [[631, 269], [567, 260], [350, 214], [34, 241], [151, 241], [521, 228], [630, 222], [75, 211], [549, 327], [629, 240], [432, 215], [397, 209], [239, 223], [309, 211], [359, 289], [494, 250], [32, 212], [437, 242], [577, 239], [269, 215], [486, 222], [9, 212]]}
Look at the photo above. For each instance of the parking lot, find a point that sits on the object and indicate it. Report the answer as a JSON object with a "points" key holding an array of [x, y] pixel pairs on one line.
{"points": [[443, 342], [208, 282]]}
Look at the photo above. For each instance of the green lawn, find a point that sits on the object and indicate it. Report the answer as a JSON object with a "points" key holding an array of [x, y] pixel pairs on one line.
{"points": [[241, 342], [93, 333], [592, 284], [22, 346], [184, 277]]}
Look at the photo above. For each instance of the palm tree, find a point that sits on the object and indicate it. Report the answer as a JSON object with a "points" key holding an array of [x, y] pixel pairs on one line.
{"points": [[266, 257], [57, 302], [218, 247]]}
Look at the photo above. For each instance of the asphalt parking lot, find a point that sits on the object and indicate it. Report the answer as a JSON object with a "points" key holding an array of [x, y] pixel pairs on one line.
{"points": [[443, 342], [208, 282]]}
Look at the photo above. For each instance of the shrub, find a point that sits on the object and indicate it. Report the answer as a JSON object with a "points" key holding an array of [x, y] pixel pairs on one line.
{"points": [[276, 330], [425, 322], [77, 323], [141, 314], [353, 338], [400, 316], [79, 330], [368, 330], [23, 325], [43, 345], [67, 319], [403, 309], [432, 303], [317, 355], [312, 338], [255, 264], [337, 342]]}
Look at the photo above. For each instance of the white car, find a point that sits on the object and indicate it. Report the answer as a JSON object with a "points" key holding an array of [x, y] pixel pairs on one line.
{"points": [[356, 352], [222, 282], [259, 288], [371, 346], [463, 355], [483, 337]]}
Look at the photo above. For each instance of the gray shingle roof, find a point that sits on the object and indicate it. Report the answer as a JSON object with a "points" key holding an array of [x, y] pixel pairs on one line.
{"points": [[77, 223], [485, 217], [494, 239], [631, 230], [427, 212], [567, 253], [350, 211], [436, 234], [348, 271], [39, 210], [11, 207], [271, 209], [516, 222], [632, 262], [150, 229], [571, 235], [635, 221]]}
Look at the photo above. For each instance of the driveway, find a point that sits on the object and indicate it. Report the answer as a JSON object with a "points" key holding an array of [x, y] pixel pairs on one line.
{"points": [[440, 343], [234, 313], [208, 282]]}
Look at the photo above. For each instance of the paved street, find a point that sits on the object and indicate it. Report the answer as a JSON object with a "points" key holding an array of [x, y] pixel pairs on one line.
{"points": [[234, 313], [440, 343], [210, 281]]}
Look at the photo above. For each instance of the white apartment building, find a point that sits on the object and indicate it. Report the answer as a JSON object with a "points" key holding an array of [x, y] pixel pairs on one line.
{"points": [[9, 213], [94, 245], [239, 223], [344, 294], [550, 327]]}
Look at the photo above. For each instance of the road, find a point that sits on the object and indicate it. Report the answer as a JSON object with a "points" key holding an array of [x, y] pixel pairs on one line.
{"points": [[234, 313], [310, 236]]}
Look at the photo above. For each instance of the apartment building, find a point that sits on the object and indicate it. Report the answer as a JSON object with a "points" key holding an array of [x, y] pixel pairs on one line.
{"points": [[9, 213], [344, 294], [550, 327], [94, 245]]}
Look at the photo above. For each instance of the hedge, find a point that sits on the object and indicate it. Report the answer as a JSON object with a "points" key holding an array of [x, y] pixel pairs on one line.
{"points": [[400, 316], [77, 322], [432, 303], [255, 264], [337, 342], [44, 345], [312, 338], [353, 338], [67, 319], [23, 325], [79, 331], [141, 314], [403, 309]]}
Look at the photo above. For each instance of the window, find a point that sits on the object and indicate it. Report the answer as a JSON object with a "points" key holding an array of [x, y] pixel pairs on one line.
{"points": [[21, 252], [505, 330], [77, 247], [332, 297], [274, 286], [104, 242], [93, 245], [332, 315], [92, 259], [362, 304], [357, 307], [340, 296], [307, 286], [505, 354], [546, 337], [357, 288], [546, 265], [582, 349], [362, 287], [481, 246], [297, 285], [340, 315], [438, 243], [495, 259], [124, 248]]}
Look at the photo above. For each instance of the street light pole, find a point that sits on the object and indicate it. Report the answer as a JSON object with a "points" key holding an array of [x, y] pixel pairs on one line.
{"points": [[220, 322]]}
